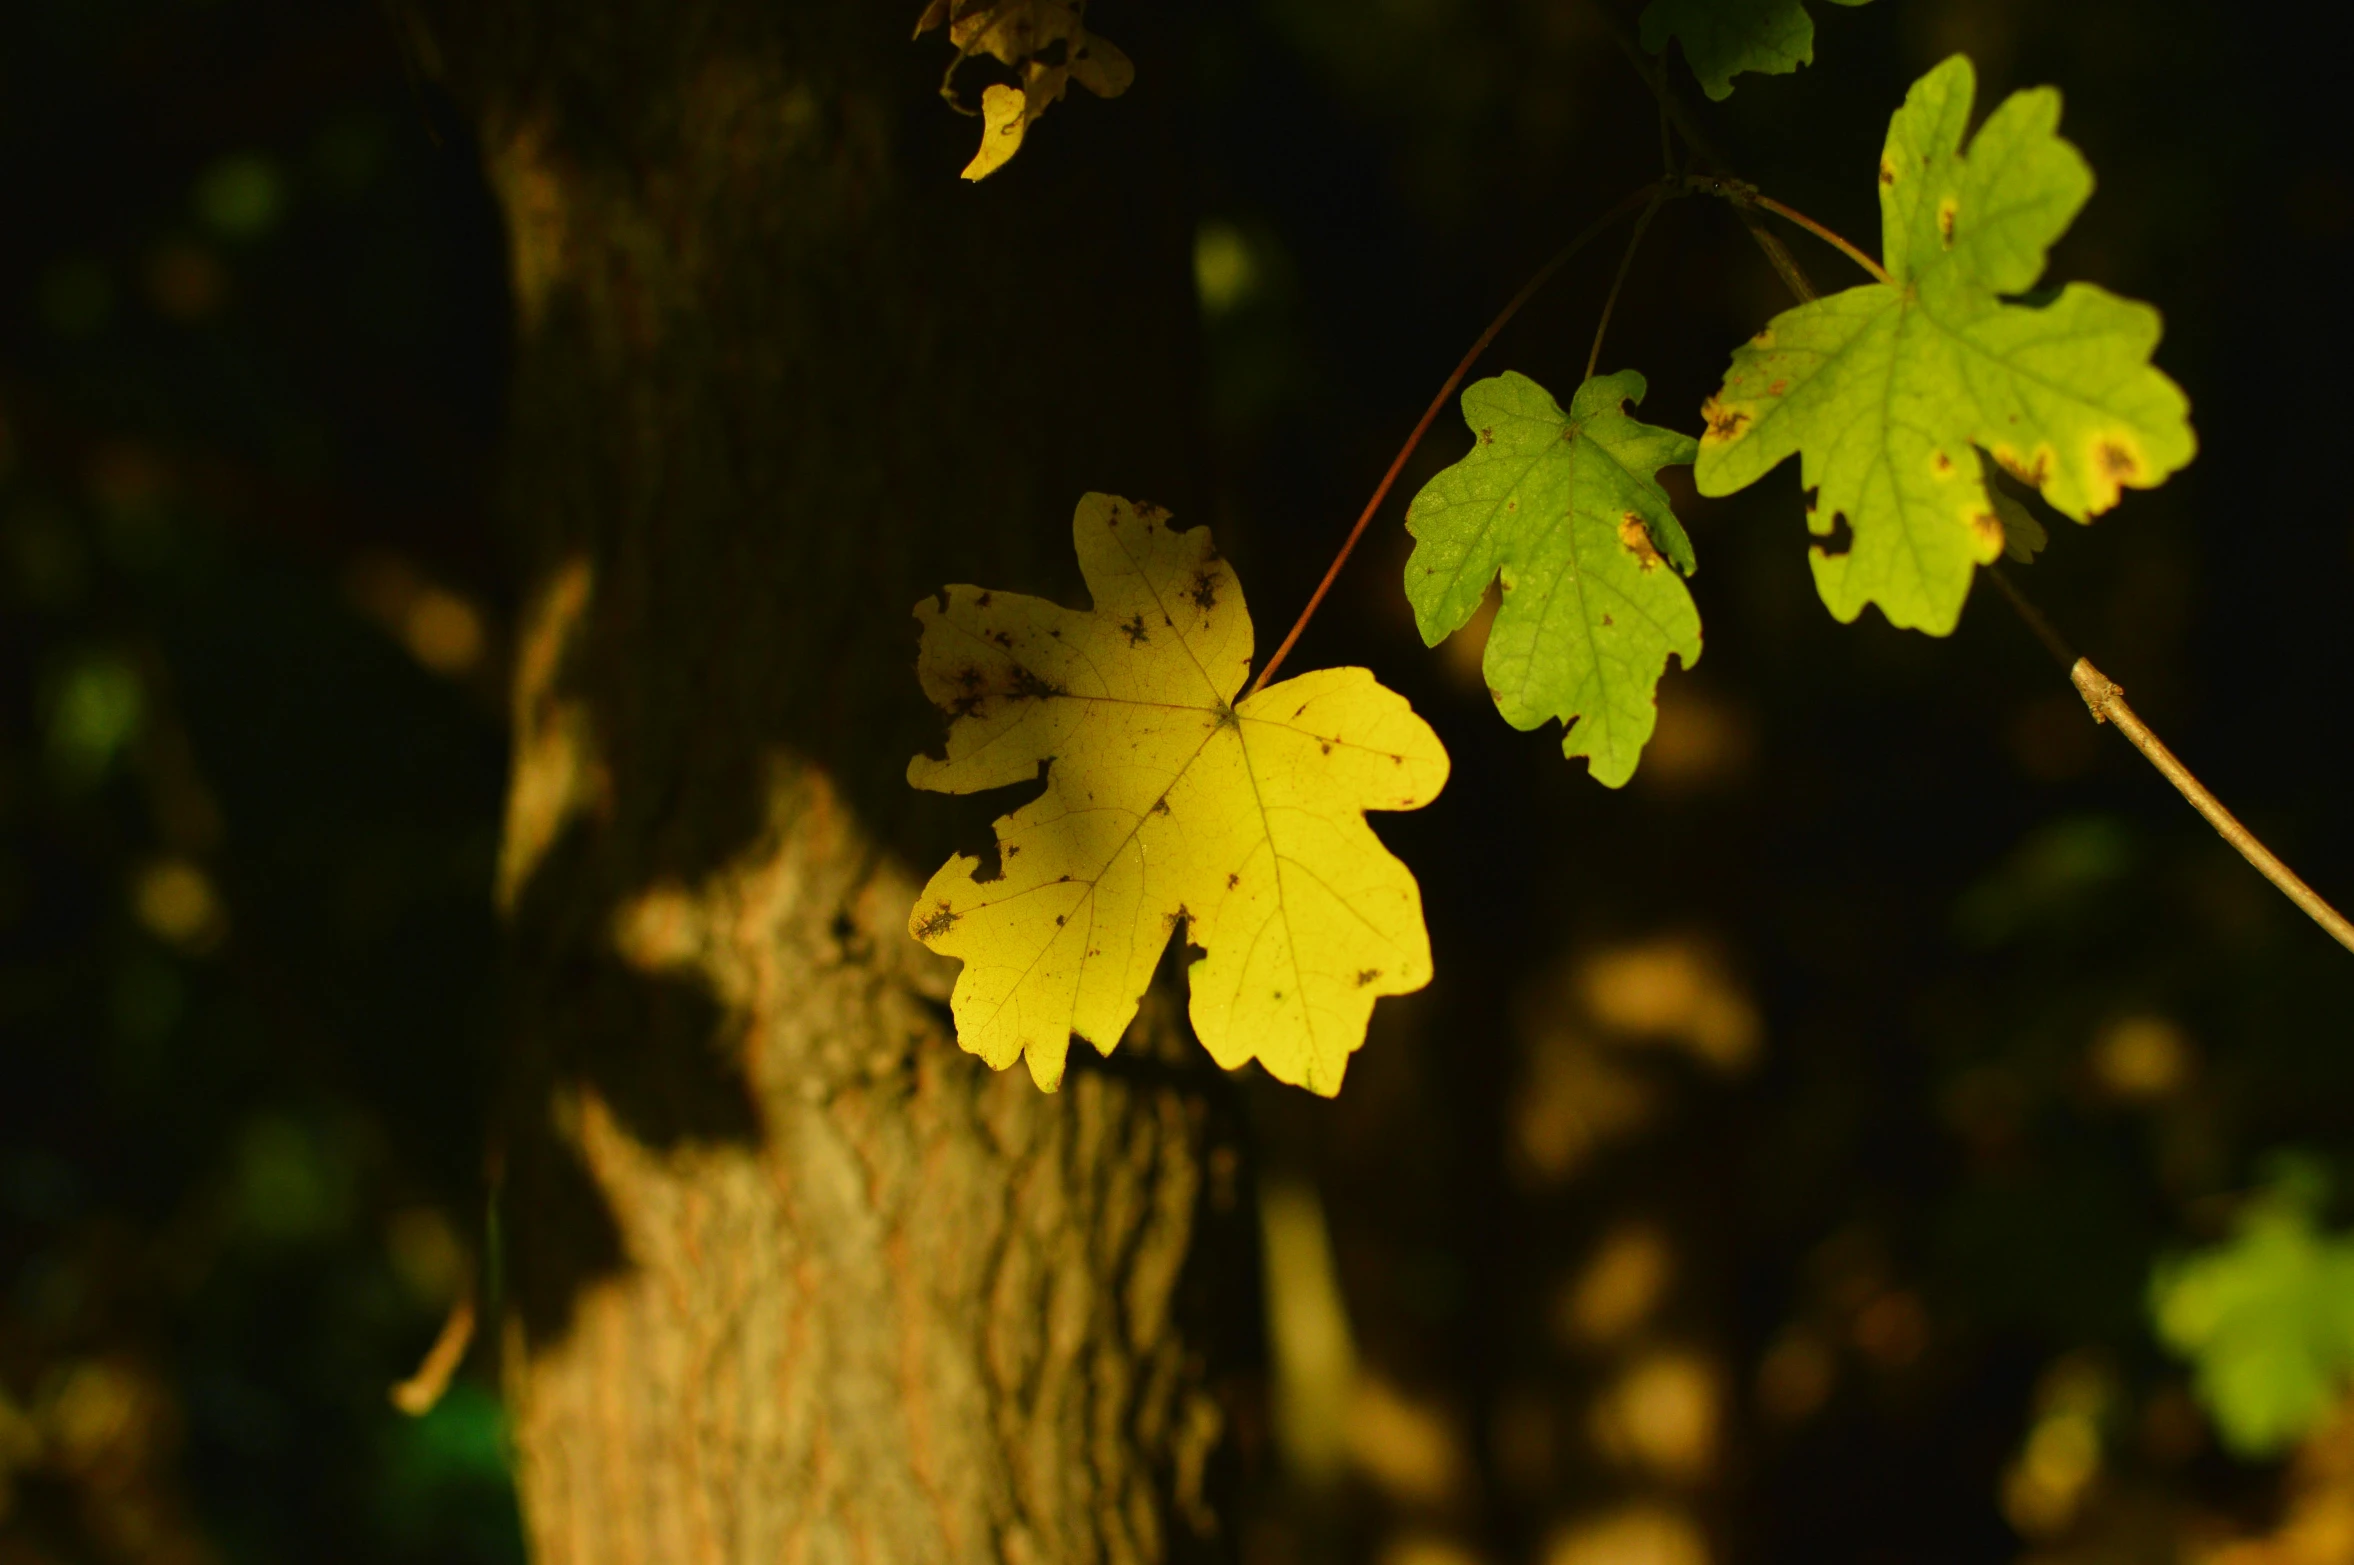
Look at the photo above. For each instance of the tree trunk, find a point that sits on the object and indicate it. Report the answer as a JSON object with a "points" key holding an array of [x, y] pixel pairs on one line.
{"points": [[790, 1277]]}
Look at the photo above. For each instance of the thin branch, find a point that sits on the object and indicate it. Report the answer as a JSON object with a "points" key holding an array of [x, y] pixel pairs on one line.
{"points": [[1667, 140], [1653, 75], [1626, 260], [1655, 78], [1528, 291], [2106, 699]]}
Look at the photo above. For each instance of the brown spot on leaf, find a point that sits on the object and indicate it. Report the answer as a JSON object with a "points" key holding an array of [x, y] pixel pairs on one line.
{"points": [[1366, 975], [1724, 423], [1003, 638], [1160, 806], [1945, 216], [1205, 591], [1135, 632], [1887, 171], [2020, 468], [937, 922], [982, 601], [1487, 437], [1987, 528], [1026, 686], [2116, 462], [1324, 745], [1777, 388], [1635, 538], [1764, 338], [1941, 464], [1233, 881]]}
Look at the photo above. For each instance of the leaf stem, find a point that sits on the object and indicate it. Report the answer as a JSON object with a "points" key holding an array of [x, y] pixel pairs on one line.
{"points": [[1878, 272], [1626, 260], [1650, 193]]}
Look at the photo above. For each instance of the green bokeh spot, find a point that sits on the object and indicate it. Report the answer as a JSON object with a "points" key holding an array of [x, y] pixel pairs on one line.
{"points": [[240, 197]]}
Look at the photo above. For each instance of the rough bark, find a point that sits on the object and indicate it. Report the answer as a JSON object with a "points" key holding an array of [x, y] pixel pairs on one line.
{"points": [[793, 1278]]}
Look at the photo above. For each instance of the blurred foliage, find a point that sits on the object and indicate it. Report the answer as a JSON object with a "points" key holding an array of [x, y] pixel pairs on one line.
{"points": [[1778, 1165], [2267, 1316], [250, 338]]}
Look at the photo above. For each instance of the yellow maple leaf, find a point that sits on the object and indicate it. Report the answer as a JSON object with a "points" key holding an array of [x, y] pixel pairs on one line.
{"points": [[1167, 803]]}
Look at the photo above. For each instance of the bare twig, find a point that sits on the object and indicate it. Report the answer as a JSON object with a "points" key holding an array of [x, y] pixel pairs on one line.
{"points": [[2106, 699]]}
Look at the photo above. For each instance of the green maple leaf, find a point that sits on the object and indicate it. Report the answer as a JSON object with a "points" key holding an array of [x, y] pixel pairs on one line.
{"points": [[1883, 390], [2266, 1319], [1723, 38], [1567, 508]]}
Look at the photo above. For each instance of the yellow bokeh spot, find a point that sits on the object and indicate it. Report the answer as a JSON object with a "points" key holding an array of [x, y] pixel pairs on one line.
{"points": [[175, 901], [1638, 1535], [2141, 1058]]}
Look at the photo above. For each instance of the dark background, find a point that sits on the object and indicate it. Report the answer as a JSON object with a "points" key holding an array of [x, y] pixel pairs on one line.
{"points": [[1892, 1022]]}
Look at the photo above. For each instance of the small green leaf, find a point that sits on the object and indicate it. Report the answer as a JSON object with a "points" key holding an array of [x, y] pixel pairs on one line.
{"points": [[1883, 390], [1723, 38], [1567, 508], [2266, 1319]]}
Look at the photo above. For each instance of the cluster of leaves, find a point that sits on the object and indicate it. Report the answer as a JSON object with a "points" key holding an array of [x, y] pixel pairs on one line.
{"points": [[1170, 804], [1047, 44]]}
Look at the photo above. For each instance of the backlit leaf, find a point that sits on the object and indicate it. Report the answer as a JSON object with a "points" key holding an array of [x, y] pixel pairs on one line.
{"points": [[1567, 509], [1884, 390], [1168, 804]]}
